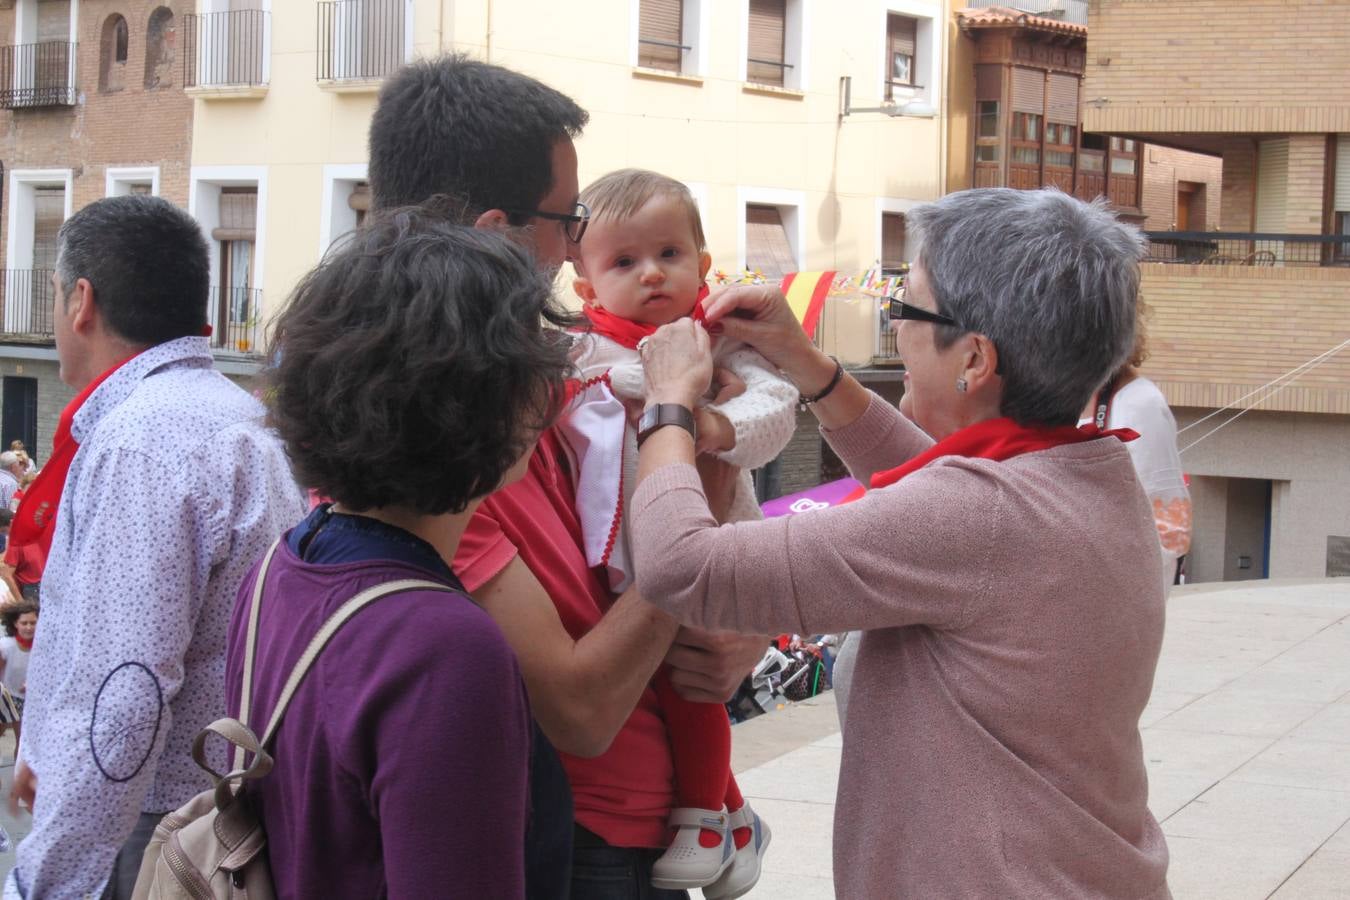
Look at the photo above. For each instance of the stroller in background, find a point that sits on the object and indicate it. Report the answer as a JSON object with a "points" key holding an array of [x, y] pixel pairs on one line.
{"points": [[785, 673]]}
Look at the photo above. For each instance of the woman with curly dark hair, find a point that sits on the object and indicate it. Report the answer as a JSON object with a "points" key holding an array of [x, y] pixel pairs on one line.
{"points": [[19, 621], [414, 374]]}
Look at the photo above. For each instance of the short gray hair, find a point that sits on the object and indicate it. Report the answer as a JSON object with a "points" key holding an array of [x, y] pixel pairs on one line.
{"points": [[1051, 280], [8, 458]]}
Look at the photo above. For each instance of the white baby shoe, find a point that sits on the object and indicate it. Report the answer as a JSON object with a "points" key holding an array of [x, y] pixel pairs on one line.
{"points": [[687, 864], [746, 864]]}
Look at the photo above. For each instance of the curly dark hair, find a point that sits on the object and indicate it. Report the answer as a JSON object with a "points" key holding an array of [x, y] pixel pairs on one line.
{"points": [[10, 612], [413, 366]]}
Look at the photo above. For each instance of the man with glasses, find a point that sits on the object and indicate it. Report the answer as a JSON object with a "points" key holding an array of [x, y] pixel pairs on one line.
{"points": [[502, 144]]}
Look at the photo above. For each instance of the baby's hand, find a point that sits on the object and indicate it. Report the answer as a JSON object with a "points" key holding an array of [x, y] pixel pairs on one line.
{"points": [[715, 432]]}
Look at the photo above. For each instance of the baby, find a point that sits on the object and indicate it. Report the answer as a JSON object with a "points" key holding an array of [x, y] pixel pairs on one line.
{"points": [[641, 265]]}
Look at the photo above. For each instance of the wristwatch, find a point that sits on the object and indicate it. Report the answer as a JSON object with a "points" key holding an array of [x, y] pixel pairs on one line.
{"points": [[663, 414]]}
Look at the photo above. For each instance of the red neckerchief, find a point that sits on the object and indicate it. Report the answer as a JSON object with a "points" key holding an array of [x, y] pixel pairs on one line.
{"points": [[27, 645], [999, 439], [35, 521], [628, 333]]}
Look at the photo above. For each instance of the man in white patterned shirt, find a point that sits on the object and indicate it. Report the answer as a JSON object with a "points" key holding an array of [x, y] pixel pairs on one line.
{"points": [[174, 491]]}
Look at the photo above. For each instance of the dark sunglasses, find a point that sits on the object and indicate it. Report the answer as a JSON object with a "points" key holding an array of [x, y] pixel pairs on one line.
{"points": [[900, 310], [575, 221]]}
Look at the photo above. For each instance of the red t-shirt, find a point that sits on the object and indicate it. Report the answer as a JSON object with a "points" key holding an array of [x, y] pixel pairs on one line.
{"points": [[624, 795]]}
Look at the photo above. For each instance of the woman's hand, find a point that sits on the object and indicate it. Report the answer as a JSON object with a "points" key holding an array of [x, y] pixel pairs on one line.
{"points": [[760, 316], [677, 360]]}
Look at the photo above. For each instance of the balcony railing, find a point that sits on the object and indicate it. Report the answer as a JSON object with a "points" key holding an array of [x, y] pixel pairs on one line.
{"points": [[226, 49], [234, 319], [362, 39], [28, 301], [1229, 248], [33, 75], [1075, 11]]}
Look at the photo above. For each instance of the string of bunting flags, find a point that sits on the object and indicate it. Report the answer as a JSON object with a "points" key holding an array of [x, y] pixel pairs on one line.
{"points": [[806, 291]]}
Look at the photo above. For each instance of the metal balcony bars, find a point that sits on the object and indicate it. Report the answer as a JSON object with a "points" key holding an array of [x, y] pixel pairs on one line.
{"points": [[37, 75], [225, 49], [361, 39]]}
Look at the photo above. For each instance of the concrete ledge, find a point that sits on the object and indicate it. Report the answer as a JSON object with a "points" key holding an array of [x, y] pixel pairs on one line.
{"points": [[352, 85], [667, 75], [228, 92], [769, 90]]}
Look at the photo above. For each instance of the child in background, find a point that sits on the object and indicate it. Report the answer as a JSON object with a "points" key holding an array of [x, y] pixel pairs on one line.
{"points": [[20, 623], [641, 265]]}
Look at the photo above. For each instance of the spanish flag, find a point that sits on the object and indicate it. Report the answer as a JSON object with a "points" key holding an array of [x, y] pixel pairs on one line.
{"points": [[805, 292]]}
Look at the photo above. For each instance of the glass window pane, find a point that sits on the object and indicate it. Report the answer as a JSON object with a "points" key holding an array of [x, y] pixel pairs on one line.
{"points": [[1122, 166], [1129, 146], [988, 126], [1029, 156], [1060, 158], [901, 66], [986, 153], [1089, 162]]}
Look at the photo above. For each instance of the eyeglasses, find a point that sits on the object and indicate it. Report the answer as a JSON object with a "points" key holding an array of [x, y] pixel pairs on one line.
{"points": [[575, 221], [900, 310]]}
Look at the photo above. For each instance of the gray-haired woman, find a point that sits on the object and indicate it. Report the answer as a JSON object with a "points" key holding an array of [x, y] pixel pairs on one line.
{"points": [[1005, 578]]}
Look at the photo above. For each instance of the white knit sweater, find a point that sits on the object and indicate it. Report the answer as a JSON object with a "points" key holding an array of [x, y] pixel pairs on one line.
{"points": [[764, 417]]}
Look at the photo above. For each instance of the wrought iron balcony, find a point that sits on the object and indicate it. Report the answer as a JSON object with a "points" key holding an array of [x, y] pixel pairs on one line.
{"points": [[1232, 248], [226, 49], [234, 319], [360, 40], [36, 75], [27, 298]]}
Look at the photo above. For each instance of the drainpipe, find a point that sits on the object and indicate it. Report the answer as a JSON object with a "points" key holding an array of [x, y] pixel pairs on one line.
{"points": [[945, 122]]}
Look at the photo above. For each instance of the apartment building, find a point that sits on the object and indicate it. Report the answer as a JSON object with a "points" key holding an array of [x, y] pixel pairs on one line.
{"points": [[804, 129], [91, 104], [1250, 317]]}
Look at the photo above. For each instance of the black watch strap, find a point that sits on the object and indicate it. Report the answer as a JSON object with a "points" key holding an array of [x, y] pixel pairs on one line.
{"points": [[663, 414]]}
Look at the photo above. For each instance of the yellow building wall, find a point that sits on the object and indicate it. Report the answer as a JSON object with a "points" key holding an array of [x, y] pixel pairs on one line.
{"points": [[1217, 66], [729, 140], [960, 109]]}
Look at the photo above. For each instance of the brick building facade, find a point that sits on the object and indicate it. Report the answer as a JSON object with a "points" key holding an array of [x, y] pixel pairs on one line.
{"points": [[1252, 318], [91, 104]]}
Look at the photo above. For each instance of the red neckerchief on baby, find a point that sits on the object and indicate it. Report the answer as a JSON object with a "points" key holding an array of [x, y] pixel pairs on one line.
{"points": [[628, 333], [27, 645], [35, 521], [999, 439]]}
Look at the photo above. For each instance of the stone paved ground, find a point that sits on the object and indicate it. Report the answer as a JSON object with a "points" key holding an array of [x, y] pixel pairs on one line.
{"points": [[1247, 740]]}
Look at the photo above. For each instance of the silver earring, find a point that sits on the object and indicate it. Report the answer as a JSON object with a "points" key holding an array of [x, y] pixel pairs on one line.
{"points": [[961, 385]]}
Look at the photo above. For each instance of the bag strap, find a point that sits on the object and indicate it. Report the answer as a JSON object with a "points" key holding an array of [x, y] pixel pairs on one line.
{"points": [[316, 644]]}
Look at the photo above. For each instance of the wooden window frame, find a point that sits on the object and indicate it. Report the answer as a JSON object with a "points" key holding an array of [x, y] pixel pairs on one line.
{"points": [[652, 46], [757, 65], [889, 62]]}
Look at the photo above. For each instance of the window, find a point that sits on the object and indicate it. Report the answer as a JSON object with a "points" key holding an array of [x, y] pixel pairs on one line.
{"points": [[112, 59], [362, 40], [986, 131], [236, 313], [1026, 139], [1059, 144], [901, 42], [346, 201], [38, 201], [140, 180], [766, 61], [1123, 165], [160, 38], [661, 34], [893, 256], [768, 249]]}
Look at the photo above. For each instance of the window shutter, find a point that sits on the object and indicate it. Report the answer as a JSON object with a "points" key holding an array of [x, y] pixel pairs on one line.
{"points": [[1063, 99], [1272, 178], [767, 248], [989, 82], [1342, 200], [900, 34], [1028, 91], [767, 29], [660, 20], [238, 217]]}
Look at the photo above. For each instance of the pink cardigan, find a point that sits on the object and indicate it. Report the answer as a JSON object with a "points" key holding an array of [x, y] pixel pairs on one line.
{"points": [[1013, 619]]}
